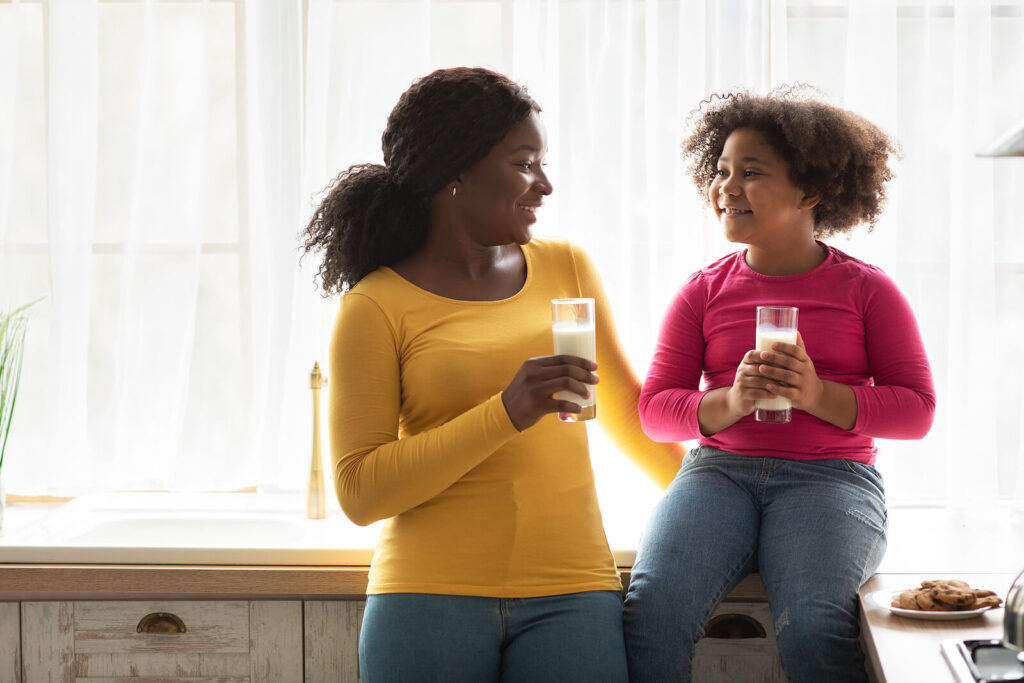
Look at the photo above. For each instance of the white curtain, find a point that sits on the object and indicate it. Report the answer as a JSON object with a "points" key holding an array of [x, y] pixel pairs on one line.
{"points": [[158, 159]]}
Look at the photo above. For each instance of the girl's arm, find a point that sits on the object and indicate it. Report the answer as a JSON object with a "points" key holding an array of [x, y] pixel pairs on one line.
{"points": [[901, 404], [671, 396]]}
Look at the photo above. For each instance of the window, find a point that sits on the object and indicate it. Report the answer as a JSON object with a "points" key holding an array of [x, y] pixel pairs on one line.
{"points": [[158, 159]]}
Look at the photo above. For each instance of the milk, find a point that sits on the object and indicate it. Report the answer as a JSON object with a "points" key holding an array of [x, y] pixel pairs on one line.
{"points": [[576, 339], [766, 336]]}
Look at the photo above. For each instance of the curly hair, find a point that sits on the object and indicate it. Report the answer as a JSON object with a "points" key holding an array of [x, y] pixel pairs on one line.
{"points": [[374, 215], [830, 152]]}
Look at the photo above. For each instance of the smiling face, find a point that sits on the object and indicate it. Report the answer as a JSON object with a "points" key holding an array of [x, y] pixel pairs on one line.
{"points": [[498, 197], [753, 197]]}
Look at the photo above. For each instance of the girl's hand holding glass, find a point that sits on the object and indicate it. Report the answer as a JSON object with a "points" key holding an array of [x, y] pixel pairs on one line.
{"points": [[785, 371], [789, 372]]}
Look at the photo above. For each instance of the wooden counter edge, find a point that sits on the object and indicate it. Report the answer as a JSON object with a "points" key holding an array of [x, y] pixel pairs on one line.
{"points": [[20, 582]]}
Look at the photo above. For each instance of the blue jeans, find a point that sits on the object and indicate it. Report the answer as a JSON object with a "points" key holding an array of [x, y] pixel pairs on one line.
{"points": [[412, 637], [815, 530]]}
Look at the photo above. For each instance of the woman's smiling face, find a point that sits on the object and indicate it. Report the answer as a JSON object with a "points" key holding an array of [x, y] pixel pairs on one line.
{"points": [[501, 193], [752, 195]]}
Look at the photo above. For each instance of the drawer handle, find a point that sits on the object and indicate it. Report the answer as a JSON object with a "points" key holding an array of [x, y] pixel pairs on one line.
{"points": [[161, 622], [734, 626]]}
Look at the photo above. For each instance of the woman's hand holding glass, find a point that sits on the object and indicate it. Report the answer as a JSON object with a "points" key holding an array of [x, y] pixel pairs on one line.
{"points": [[531, 393]]}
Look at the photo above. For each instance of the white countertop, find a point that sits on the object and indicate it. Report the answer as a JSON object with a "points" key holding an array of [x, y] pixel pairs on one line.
{"points": [[271, 529], [168, 528]]}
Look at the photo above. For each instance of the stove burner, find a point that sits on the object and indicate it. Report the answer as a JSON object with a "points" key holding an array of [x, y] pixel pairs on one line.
{"points": [[987, 661]]}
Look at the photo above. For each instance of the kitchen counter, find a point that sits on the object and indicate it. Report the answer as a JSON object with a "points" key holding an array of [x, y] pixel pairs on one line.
{"points": [[261, 547], [249, 544], [903, 650]]}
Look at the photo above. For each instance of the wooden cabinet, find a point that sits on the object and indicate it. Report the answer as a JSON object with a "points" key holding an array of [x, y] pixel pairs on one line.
{"points": [[262, 641], [281, 624], [273, 641]]}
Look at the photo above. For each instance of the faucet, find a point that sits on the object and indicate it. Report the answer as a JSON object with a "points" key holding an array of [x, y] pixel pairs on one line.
{"points": [[315, 490]]}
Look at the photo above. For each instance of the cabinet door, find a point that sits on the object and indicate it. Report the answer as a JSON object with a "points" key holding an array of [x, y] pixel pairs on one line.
{"points": [[275, 637], [10, 642], [332, 640], [47, 641], [163, 640]]}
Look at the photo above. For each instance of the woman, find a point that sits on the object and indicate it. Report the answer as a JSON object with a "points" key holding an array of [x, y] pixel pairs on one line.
{"points": [[493, 563], [801, 502]]}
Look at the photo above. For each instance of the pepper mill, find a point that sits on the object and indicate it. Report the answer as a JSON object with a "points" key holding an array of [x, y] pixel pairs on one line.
{"points": [[315, 490]]}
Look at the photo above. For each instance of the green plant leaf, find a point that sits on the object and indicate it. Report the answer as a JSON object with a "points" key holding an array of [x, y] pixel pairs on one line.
{"points": [[12, 350]]}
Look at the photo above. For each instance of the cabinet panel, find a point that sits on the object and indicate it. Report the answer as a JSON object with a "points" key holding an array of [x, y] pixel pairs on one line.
{"points": [[204, 641], [10, 642], [48, 641], [275, 632], [210, 627], [95, 668], [332, 640]]}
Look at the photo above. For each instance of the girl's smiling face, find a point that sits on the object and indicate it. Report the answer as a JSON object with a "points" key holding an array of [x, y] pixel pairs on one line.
{"points": [[752, 195]]}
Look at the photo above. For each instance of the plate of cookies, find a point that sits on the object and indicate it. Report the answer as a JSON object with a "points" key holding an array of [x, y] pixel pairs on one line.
{"points": [[939, 600]]}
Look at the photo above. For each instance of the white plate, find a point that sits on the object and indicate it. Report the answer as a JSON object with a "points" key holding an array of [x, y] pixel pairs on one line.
{"points": [[884, 598]]}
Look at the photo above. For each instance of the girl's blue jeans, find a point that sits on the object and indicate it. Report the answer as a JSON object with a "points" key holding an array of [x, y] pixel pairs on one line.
{"points": [[815, 530], [411, 637]]}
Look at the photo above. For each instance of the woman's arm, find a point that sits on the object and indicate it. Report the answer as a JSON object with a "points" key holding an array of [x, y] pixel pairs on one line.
{"points": [[618, 392], [377, 475]]}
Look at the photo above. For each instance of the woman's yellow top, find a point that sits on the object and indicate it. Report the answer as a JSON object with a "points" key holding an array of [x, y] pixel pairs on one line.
{"points": [[420, 437]]}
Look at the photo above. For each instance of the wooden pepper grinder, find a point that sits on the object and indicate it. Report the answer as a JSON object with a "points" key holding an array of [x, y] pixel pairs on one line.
{"points": [[315, 491]]}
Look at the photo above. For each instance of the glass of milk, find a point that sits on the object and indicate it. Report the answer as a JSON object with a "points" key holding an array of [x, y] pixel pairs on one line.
{"points": [[774, 324], [572, 326]]}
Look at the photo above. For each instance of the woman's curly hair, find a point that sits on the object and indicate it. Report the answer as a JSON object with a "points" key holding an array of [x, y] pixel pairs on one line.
{"points": [[374, 215], [831, 152]]}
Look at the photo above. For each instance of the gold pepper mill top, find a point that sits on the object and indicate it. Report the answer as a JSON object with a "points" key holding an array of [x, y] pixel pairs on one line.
{"points": [[316, 379]]}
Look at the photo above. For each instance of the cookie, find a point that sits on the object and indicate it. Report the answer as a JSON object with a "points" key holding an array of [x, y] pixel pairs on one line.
{"points": [[947, 595], [957, 583], [924, 601], [987, 601], [906, 600]]}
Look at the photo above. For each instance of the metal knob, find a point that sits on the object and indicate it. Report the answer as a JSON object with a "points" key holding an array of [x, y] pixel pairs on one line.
{"points": [[161, 622]]}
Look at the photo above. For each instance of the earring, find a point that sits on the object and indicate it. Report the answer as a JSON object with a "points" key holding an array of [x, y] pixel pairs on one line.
{"points": [[454, 189]]}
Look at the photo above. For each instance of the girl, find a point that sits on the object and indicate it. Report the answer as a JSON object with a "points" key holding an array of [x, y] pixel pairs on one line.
{"points": [[801, 502]]}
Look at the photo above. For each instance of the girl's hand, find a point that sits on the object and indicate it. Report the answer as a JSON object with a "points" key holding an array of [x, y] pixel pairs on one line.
{"points": [[788, 371], [747, 386], [531, 394]]}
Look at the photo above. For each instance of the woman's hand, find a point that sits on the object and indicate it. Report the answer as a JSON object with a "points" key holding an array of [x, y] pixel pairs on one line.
{"points": [[788, 371], [531, 394]]}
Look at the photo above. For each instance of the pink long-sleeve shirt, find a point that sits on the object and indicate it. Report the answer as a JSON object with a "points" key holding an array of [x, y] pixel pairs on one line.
{"points": [[858, 330]]}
